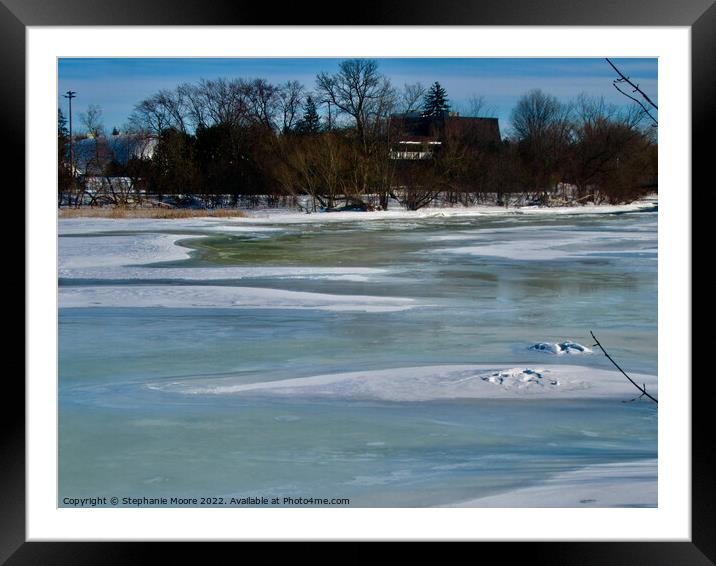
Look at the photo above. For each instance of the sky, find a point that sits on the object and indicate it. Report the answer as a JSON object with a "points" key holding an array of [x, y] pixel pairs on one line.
{"points": [[117, 84]]}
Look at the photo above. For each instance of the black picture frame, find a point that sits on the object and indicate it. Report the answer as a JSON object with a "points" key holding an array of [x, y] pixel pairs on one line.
{"points": [[16, 15]]}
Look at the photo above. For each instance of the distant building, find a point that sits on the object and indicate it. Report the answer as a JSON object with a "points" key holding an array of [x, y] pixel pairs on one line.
{"points": [[92, 155], [420, 137], [98, 163]]}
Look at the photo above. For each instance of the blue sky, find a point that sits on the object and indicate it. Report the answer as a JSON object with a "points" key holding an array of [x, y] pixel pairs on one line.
{"points": [[118, 84]]}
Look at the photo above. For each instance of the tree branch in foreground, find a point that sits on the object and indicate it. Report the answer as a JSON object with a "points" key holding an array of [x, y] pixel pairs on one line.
{"points": [[624, 79], [642, 388]]}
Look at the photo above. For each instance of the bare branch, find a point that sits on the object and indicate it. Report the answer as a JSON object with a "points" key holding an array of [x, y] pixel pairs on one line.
{"points": [[642, 388], [411, 96], [639, 102], [624, 79]]}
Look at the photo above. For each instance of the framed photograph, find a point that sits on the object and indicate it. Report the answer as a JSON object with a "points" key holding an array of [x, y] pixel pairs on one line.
{"points": [[405, 278]]}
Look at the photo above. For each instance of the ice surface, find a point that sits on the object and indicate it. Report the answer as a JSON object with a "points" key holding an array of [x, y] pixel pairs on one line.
{"points": [[78, 253], [128, 257], [196, 296], [72, 226], [432, 383], [627, 484], [546, 243]]}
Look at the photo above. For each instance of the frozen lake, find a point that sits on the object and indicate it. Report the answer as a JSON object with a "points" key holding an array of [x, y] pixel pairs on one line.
{"points": [[171, 332]]}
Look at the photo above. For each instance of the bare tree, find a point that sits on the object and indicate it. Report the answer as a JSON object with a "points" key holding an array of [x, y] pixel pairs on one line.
{"points": [[477, 106], [359, 91], [417, 184], [220, 101], [194, 104], [607, 150], [410, 97], [151, 115], [174, 105], [290, 103], [92, 120], [543, 128], [263, 100]]}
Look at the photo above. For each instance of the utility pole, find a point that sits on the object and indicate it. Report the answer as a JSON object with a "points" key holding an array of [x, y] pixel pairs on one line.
{"points": [[328, 101], [69, 95]]}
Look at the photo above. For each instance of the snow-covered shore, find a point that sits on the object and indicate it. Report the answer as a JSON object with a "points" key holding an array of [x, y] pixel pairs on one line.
{"points": [[254, 219], [287, 216], [624, 484], [431, 383]]}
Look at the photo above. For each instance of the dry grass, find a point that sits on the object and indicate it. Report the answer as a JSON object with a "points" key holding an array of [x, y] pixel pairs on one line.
{"points": [[120, 212]]}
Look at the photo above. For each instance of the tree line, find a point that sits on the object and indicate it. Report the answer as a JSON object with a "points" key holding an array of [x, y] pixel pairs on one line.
{"points": [[226, 141]]}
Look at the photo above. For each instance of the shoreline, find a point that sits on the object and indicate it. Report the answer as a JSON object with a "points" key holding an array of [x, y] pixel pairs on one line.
{"points": [[283, 213], [121, 213], [623, 484]]}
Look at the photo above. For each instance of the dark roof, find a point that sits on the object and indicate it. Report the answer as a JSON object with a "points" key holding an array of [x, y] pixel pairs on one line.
{"points": [[485, 130], [430, 128]]}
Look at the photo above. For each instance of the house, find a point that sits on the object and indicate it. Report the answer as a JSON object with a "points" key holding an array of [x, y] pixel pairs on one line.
{"points": [[98, 163], [420, 137], [92, 155]]}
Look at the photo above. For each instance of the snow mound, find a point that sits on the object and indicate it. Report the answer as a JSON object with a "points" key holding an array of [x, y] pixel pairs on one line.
{"points": [[560, 348], [520, 378]]}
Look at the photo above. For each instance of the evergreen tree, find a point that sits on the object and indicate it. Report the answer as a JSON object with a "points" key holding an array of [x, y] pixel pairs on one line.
{"points": [[64, 173], [63, 138], [436, 101], [310, 123], [62, 131]]}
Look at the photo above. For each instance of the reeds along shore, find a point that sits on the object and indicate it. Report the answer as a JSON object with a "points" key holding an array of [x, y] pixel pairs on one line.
{"points": [[120, 212]]}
